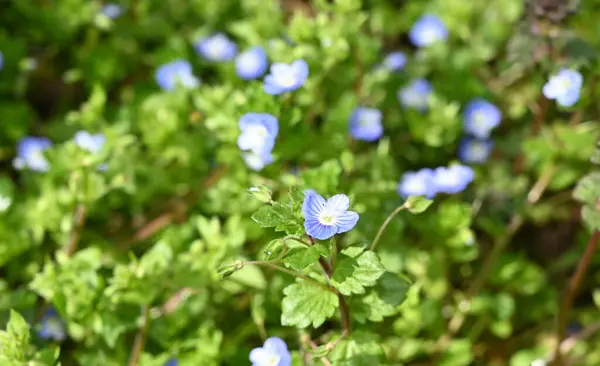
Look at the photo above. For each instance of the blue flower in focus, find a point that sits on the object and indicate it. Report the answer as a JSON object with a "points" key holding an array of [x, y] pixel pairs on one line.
{"points": [[216, 48], [481, 117], [395, 61], [286, 77], [274, 352], [309, 191], [365, 124], [52, 327], [178, 72], [252, 63], [427, 30], [453, 179], [172, 362], [259, 131], [257, 161], [474, 151], [415, 95], [30, 154], [112, 11], [89, 142], [323, 219], [419, 183], [564, 87]]}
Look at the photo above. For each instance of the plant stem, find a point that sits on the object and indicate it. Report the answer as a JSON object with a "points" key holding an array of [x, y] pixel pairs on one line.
{"points": [[80, 215], [140, 338], [572, 290], [334, 251], [384, 225], [344, 309], [292, 273]]}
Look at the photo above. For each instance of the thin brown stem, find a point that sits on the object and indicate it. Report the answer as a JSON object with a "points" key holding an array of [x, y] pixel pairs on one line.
{"points": [[572, 290], [324, 360], [140, 338], [384, 225], [344, 309], [334, 251], [80, 215]]}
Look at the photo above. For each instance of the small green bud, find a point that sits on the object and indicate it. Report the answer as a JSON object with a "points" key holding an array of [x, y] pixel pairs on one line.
{"points": [[261, 193], [417, 204]]}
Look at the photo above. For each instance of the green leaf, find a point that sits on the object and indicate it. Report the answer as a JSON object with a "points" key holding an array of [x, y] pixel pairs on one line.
{"points": [[301, 257], [14, 342], [591, 216], [305, 304], [261, 193], [17, 326], [588, 189], [417, 204], [360, 349], [383, 300], [279, 216], [226, 270], [351, 275], [323, 179], [273, 249], [265, 217]]}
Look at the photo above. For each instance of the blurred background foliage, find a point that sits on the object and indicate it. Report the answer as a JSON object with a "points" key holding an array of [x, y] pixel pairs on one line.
{"points": [[134, 249]]}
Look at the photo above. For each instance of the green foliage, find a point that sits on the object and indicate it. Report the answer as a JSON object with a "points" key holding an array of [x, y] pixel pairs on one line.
{"points": [[305, 304]]}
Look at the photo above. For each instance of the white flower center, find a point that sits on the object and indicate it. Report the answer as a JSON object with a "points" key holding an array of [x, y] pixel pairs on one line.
{"points": [[477, 151], [565, 83], [217, 47], [273, 360], [328, 217], [287, 79]]}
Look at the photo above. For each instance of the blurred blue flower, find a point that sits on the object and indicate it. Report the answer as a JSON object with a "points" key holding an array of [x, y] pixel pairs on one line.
{"points": [[453, 179], [89, 142], [52, 327], [286, 77], [309, 191], [216, 47], [427, 30], [274, 352], [474, 151], [415, 95], [481, 117], [112, 10], [178, 72], [419, 183], [172, 362], [252, 63], [323, 219], [564, 87], [259, 131], [1, 60], [395, 61], [257, 161], [30, 154], [365, 124]]}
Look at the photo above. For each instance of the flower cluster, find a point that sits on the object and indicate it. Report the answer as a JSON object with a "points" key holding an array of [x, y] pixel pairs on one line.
{"points": [[325, 218], [429, 182], [480, 118], [259, 131], [274, 352], [564, 87]]}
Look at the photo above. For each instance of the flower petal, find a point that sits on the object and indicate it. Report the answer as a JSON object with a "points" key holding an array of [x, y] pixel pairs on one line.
{"points": [[301, 69], [346, 221], [275, 345], [258, 356], [319, 231], [312, 206], [339, 202]]}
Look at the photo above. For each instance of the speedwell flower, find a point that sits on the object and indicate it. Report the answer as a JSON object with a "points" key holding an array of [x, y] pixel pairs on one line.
{"points": [[89, 142], [395, 61], [216, 48], [274, 352], [365, 124], [252, 63], [323, 219], [30, 154], [286, 77], [419, 183], [453, 179], [52, 327], [171, 362], [481, 117], [474, 151], [257, 161], [112, 11], [564, 87], [415, 95], [427, 30], [1, 60], [259, 131], [178, 72]]}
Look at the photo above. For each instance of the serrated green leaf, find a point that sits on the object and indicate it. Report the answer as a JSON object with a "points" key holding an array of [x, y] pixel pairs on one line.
{"points": [[301, 257], [588, 189], [305, 304], [417, 204], [352, 275], [591, 216], [17, 325], [360, 349], [382, 301], [273, 249], [265, 217]]}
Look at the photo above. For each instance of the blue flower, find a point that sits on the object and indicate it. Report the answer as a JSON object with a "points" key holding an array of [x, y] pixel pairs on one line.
{"points": [[427, 30], [481, 117], [172, 362], [89, 142], [52, 327], [178, 72], [309, 191], [365, 124], [415, 95], [323, 219], [564, 87], [286, 77], [259, 131], [1, 60], [257, 161], [453, 179], [112, 11], [216, 47], [419, 183], [30, 154], [395, 61], [252, 63], [274, 352], [474, 151]]}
